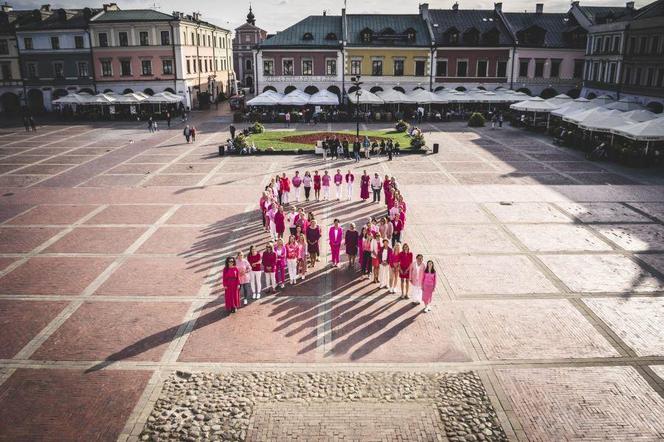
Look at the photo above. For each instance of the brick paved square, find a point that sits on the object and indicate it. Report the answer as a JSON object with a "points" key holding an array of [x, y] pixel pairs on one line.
{"points": [[527, 213], [142, 331], [248, 179], [383, 328], [635, 237], [637, 321], [525, 167], [6, 262], [602, 273], [421, 179], [590, 403], [557, 238], [233, 165], [603, 178], [184, 241], [504, 275], [114, 181], [24, 159], [9, 211], [395, 167], [189, 168], [69, 159], [574, 166], [445, 213], [24, 239], [467, 166], [129, 214], [602, 212], [652, 209], [102, 240], [61, 404], [134, 169], [227, 216], [42, 169], [156, 276], [483, 178], [174, 180], [20, 321], [268, 330], [53, 214], [534, 329], [463, 239], [53, 276], [530, 178], [19, 180]]}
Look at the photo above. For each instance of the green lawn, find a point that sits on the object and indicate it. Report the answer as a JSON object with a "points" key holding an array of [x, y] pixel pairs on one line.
{"points": [[275, 139]]}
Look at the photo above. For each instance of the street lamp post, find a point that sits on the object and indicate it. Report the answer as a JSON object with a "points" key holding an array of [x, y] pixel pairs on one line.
{"points": [[357, 83]]}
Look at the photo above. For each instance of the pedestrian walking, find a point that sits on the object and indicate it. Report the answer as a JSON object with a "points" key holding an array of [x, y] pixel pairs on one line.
{"points": [[232, 129], [269, 263], [367, 145], [193, 134], [335, 236], [155, 126], [364, 186], [344, 146], [150, 125], [187, 133], [33, 124], [351, 239], [26, 123], [231, 282], [350, 179], [428, 285], [287, 117], [168, 120], [256, 274], [244, 268], [306, 183], [390, 149], [500, 123], [376, 188]]}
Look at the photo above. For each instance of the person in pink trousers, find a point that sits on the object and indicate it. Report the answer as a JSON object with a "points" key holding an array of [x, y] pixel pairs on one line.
{"points": [[280, 250], [335, 235], [428, 285]]}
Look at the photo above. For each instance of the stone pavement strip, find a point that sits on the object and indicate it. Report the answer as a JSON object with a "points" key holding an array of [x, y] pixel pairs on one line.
{"points": [[546, 322]]}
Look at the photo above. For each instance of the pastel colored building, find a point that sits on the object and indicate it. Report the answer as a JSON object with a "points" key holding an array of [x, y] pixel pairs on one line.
{"points": [[247, 37], [306, 56], [11, 83], [133, 51]]}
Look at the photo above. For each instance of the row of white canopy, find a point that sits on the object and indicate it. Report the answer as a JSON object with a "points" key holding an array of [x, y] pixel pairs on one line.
{"points": [[390, 96], [83, 99], [602, 114]]}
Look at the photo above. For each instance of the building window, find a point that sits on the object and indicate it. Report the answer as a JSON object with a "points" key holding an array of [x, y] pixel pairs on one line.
{"points": [[143, 38], [146, 67], [27, 42], [523, 67], [247, 64], [4, 47], [165, 38], [32, 70], [539, 68], [83, 69], [6, 71], [555, 69], [441, 68], [398, 68], [420, 68], [612, 73], [482, 68], [637, 77], [330, 66], [660, 77], [55, 43], [125, 68], [194, 65], [616, 44], [200, 65], [654, 45], [198, 39], [287, 66], [268, 67], [643, 45], [651, 77], [188, 66], [205, 65], [462, 68], [59, 70], [103, 39], [123, 39], [578, 68], [78, 42], [356, 67], [307, 67], [501, 69], [193, 38], [167, 67], [106, 68], [377, 68]]}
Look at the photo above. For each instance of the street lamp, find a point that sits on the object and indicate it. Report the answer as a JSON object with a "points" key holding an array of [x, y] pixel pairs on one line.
{"points": [[357, 83]]}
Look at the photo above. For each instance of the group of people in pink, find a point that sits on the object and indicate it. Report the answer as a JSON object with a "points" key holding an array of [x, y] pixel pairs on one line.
{"points": [[375, 249]]}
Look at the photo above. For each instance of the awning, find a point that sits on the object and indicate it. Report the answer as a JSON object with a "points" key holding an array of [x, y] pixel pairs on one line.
{"points": [[423, 96], [267, 98], [392, 96], [164, 98], [652, 130], [295, 98], [603, 122], [366, 97], [324, 98], [535, 104], [580, 115], [625, 105]]}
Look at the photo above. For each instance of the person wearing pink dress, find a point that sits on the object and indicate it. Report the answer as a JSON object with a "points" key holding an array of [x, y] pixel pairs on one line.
{"points": [[338, 181], [336, 236], [428, 285], [405, 260], [351, 238], [269, 264], [325, 181], [416, 274], [280, 222], [365, 180], [230, 279], [395, 266], [317, 181], [280, 250]]}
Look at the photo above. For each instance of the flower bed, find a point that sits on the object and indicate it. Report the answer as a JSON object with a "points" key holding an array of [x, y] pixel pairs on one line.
{"points": [[312, 138]]}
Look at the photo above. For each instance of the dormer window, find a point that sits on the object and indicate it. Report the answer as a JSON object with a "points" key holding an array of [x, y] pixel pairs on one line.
{"points": [[471, 36], [388, 31], [308, 36], [331, 36], [491, 37], [411, 34], [452, 36], [366, 35]]}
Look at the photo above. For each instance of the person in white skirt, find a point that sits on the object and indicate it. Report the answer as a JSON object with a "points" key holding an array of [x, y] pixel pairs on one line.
{"points": [[350, 179], [417, 269], [384, 259]]}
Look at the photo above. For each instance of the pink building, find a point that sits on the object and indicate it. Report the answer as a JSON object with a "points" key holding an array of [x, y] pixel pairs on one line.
{"points": [[247, 37]]}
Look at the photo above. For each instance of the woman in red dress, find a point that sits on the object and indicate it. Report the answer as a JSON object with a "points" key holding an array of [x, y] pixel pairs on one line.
{"points": [[317, 185], [405, 260], [365, 181], [231, 281]]}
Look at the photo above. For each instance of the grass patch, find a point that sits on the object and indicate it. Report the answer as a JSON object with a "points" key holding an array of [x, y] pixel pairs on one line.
{"points": [[278, 139]]}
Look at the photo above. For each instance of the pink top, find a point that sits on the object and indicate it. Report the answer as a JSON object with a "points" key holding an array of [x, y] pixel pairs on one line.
{"points": [[405, 259], [306, 181], [336, 235], [292, 251], [244, 268], [338, 179], [417, 273], [281, 254], [326, 180], [297, 181], [429, 281], [269, 262], [350, 177]]}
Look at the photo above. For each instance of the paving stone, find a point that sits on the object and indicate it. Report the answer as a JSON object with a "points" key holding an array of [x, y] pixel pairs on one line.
{"points": [[534, 329], [69, 159], [24, 239], [575, 166], [156, 159], [102, 240], [185, 241], [53, 214], [189, 168], [513, 212], [482, 274], [19, 180], [652, 209], [114, 181], [463, 239], [603, 178], [602, 212], [22, 320], [466, 166], [142, 331], [174, 180], [635, 237], [446, 213], [557, 238], [602, 273], [53, 276], [223, 216], [637, 321], [134, 169], [589, 403], [129, 214], [97, 404], [43, 169]]}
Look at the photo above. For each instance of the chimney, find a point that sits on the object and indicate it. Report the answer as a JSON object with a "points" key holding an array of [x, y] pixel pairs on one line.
{"points": [[111, 7], [630, 5], [455, 6], [45, 8], [575, 3], [539, 8], [324, 12], [7, 8], [498, 7], [424, 11]]}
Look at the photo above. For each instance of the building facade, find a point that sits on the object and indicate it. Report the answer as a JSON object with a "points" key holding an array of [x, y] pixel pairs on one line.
{"points": [[473, 48], [306, 56], [247, 37], [11, 81], [204, 58], [55, 57]]}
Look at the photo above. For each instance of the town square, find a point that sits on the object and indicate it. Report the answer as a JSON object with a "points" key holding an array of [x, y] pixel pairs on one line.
{"points": [[437, 224]]}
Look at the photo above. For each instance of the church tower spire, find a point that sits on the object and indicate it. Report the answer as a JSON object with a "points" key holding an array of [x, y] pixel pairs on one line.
{"points": [[251, 18]]}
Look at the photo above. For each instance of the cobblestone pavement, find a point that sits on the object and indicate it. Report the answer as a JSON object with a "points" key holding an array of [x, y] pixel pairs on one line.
{"points": [[551, 280]]}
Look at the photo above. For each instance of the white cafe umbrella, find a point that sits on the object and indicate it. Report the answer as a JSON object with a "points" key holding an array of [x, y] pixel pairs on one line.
{"points": [[574, 106], [603, 122], [164, 98], [602, 100], [652, 130], [102, 99], [392, 96], [625, 105], [423, 96], [560, 100], [324, 98], [71, 99], [640, 115], [366, 97], [267, 98], [295, 98], [580, 115], [534, 104]]}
